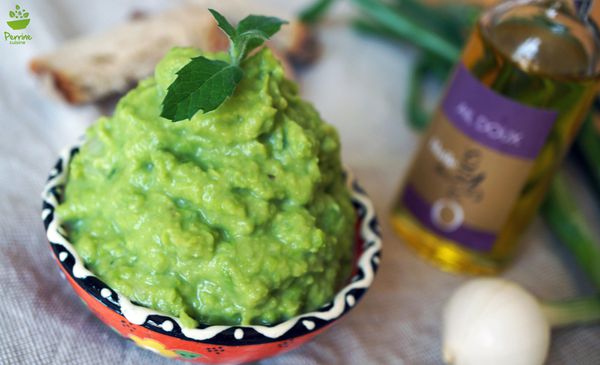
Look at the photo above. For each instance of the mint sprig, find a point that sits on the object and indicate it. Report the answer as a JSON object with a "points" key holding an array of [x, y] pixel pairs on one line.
{"points": [[204, 84]]}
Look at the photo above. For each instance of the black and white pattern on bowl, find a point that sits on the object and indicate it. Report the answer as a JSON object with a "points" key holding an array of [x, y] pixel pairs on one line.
{"points": [[345, 299]]}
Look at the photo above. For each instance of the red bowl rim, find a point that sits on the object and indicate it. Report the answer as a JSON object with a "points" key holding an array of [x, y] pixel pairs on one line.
{"points": [[366, 265]]}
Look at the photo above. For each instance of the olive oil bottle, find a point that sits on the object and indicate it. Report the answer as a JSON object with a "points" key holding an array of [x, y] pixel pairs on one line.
{"points": [[524, 83]]}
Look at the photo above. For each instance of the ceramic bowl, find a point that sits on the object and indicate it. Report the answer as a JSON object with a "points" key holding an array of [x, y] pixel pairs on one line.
{"points": [[163, 334]]}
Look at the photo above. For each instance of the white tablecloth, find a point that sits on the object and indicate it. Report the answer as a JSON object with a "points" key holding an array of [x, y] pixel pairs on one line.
{"points": [[359, 86]]}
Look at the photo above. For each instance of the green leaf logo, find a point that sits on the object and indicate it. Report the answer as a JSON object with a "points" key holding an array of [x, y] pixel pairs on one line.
{"points": [[19, 18]]}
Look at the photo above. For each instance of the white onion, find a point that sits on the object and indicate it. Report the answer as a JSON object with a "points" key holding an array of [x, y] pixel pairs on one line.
{"points": [[494, 321]]}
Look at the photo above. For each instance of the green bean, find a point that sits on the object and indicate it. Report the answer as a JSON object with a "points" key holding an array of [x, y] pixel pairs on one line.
{"points": [[407, 28], [566, 221], [588, 146], [315, 12]]}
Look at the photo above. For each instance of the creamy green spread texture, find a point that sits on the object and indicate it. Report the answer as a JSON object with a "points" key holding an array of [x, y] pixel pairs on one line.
{"points": [[237, 216]]}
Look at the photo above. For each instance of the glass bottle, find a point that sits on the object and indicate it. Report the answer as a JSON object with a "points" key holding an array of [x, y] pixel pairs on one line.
{"points": [[525, 81]]}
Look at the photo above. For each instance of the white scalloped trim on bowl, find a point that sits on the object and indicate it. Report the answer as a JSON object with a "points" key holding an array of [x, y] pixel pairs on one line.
{"points": [[344, 300]]}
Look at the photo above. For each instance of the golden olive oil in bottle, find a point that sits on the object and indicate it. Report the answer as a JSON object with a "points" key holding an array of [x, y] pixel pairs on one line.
{"points": [[524, 83]]}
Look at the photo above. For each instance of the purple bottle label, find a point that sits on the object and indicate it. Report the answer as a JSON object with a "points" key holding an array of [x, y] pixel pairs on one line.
{"points": [[474, 161], [469, 237], [494, 120]]}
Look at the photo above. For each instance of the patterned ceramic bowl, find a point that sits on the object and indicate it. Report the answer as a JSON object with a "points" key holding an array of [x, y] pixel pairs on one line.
{"points": [[163, 334]]}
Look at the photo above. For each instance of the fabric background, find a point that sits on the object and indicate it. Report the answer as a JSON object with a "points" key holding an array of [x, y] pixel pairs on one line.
{"points": [[359, 86]]}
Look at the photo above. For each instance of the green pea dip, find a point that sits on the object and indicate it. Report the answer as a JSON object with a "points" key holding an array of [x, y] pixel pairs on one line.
{"points": [[236, 216]]}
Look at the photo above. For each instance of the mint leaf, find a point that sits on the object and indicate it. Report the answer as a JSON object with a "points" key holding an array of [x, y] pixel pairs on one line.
{"points": [[268, 25], [205, 84], [202, 84], [254, 30], [224, 24]]}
